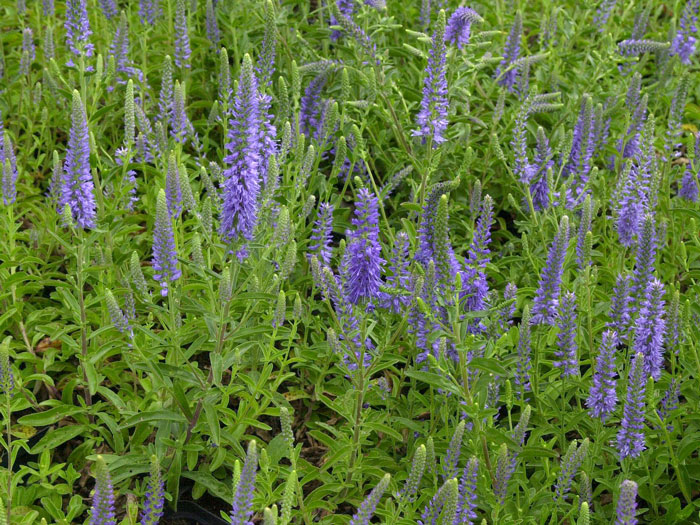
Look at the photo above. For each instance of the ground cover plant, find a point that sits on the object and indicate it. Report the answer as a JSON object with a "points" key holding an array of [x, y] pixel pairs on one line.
{"points": [[349, 262]]}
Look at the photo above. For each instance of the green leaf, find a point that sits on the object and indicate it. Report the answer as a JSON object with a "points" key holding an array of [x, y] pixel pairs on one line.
{"points": [[154, 416], [488, 364], [55, 437], [50, 416]]}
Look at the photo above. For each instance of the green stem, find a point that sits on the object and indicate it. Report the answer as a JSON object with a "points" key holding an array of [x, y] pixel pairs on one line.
{"points": [[8, 425], [83, 320]]}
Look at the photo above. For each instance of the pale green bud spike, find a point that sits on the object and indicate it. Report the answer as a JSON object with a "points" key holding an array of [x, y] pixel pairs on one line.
{"points": [[197, 255], [207, 217], [308, 206], [344, 86], [449, 511], [430, 465], [270, 515], [288, 498], [513, 203], [129, 119], [508, 396], [111, 70], [495, 143], [137, 278], [225, 287], [331, 120], [280, 309], [371, 86], [341, 153], [236, 477], [283, 227], [584, 517], [475, 197], [286, 424], [416, 473], [359, 141], [524, 240], [300, 150], [297, 309], [283, 98], [296, 81], [214, 113], [186, 188], [67, 217], [290, 259], [285, 143], [264, 460]]}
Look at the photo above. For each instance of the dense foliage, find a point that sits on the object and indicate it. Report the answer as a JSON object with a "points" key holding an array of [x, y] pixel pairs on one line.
{"points": [[346, 262]]}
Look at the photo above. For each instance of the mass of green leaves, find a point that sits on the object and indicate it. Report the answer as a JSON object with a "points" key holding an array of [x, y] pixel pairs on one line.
{"points": [[210, 367]]}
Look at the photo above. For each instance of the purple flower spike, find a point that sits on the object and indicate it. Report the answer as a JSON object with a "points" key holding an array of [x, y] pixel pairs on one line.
{"points": [[602, 396], [685, 40], [620, 306], [28, 51], [459, 26], [399, 275], [542, 162], [467, 494], [449, 468], [630, 438], [242, 178], [182, 36], [570, 464], [173, 191], [78, 30], [689, 185], [322, 235], [268, 48], [120, 51], [212, 25], [155, 496], [148, 10], [629, 209], [8, 168], [432, 117], [363, 254], [578, 165], [309, 107], [345, 7], [566, 338], [544, 310], [369, 505], [119, 319], [102, 512], [650, 328], [603, 13], [109, 8], [181, 127], [627, 504], [511, 52], [242, 509], [644, 264], [164, 251], [77, 187]]}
